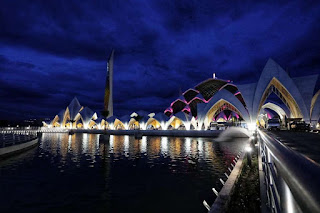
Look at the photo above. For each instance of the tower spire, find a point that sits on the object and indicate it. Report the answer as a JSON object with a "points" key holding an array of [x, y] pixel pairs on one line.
{"points": [[108, 94]]}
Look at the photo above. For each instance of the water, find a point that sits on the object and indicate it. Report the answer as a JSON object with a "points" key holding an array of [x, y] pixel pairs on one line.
{"points": [[80, 174]]}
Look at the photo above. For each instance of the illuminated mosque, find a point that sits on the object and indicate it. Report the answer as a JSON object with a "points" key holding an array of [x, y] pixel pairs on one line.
{"points": [[211, 101]]}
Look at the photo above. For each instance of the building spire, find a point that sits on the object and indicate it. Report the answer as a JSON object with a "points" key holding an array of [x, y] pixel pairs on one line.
{"points": [[214, 76], [108, 94]]}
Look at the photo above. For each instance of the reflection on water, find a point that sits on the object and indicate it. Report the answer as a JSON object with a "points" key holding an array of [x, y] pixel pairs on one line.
{"points": [[80, 173]]}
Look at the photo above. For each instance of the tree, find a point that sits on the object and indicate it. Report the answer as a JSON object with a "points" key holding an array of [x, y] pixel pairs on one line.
{"points": [[105, 114]]}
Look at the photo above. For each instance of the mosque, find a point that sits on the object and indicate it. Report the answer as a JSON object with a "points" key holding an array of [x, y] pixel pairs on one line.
{"points": [[211, 101]]}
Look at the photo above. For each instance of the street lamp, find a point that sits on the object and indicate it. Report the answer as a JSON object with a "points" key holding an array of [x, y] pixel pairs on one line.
{"points": [[248, 150]]}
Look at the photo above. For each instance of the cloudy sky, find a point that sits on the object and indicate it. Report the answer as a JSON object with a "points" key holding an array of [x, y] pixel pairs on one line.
{"points": [[51, 51]]}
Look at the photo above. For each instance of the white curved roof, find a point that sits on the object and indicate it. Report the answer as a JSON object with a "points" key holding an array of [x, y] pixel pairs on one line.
{"points": [[125, 118], [161, 117], [111, 119], [183, 116], [87, 114], [74, 108], [275, 108], [61, 115]]}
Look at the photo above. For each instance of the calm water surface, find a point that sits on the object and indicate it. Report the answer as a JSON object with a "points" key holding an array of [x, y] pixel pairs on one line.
{"points": [[79, 173]]}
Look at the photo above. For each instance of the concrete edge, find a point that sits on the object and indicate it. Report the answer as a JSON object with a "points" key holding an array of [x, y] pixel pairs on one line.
{"points": [[263, 190], [15, 149], [221, 202]]}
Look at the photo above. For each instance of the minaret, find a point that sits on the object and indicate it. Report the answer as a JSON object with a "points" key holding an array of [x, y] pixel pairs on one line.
{"points": [[108, 94]]}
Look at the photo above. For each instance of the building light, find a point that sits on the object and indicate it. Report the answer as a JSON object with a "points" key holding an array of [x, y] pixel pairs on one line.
{"points": [[252, 126], [248, 148]]}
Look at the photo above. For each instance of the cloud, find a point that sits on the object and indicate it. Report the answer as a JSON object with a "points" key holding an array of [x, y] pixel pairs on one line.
{"points": [[53, 51]]}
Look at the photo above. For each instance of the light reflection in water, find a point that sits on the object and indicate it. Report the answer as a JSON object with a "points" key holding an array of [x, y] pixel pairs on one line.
{"points": [[153, 147], [143, 146], [187, 145], [69, 143], [97, 143], [121, 167], [84, 143], [164, 145], [111, 140], [209, 152], [75, 146], [126, 143], [187, 150], [64, 146], [200, 146]]}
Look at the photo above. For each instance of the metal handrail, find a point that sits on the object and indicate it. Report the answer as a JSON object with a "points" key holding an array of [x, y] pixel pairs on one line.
{"points": [[301, 174], [13, 139], [26, 130]]}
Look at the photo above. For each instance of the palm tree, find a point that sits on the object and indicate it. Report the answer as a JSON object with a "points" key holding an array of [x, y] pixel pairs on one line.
{"points": [[105, 114]]}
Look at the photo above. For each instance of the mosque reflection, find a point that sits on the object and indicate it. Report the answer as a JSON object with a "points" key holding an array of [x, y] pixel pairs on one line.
{"points": [[191, 150]]}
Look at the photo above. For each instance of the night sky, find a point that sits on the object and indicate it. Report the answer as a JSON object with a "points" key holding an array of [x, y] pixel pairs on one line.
{"points": [[51, 51]]}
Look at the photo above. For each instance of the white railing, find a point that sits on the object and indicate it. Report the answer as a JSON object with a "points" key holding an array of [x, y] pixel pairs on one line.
{"points": [[292, 180]]}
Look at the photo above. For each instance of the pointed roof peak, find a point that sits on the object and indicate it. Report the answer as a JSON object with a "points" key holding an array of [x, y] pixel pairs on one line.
{"points": [[75, 100], [74, 107], [271, 62], [272, 68], [87, 114], [111, 54], [87, 109]]}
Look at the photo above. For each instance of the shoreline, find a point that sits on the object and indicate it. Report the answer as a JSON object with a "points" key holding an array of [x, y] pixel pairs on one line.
{"points": [[18, 148]]}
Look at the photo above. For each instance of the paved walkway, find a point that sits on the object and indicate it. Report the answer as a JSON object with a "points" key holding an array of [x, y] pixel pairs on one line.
{"points": [[306, 143]]}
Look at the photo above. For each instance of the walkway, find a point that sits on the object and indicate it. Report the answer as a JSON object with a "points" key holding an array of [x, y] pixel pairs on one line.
{"points": [[306, 143]]}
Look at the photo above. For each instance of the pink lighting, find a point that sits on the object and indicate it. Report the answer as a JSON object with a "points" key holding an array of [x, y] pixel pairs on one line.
{"points": [[228, 84], [221, 115], [221, 88], [184, 101], [187, 108], [197, 98], [237, 93], [168, 110], [190, 90], [269, 116]]}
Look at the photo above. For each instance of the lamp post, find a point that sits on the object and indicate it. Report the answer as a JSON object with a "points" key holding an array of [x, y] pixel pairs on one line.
{"points": [[248, 150]]}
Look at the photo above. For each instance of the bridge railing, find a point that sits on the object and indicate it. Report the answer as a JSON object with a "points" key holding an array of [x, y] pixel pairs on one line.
{"points": [[292, 180], [24, 130], [14, 139], [21, 128]]}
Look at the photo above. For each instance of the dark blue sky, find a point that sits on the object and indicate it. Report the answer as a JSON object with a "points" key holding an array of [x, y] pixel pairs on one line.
{"points": [[51, 51]]}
